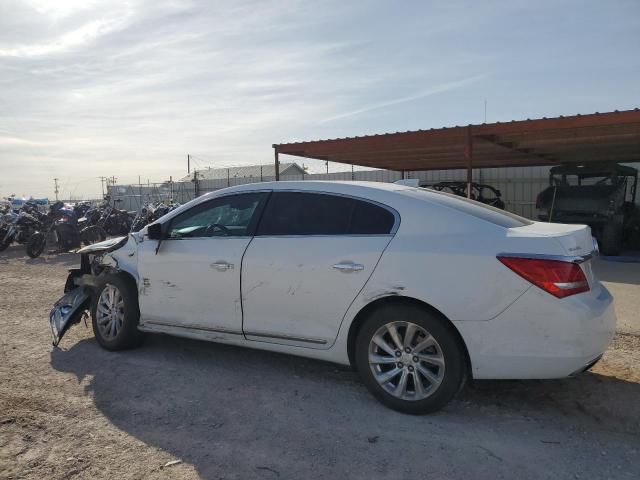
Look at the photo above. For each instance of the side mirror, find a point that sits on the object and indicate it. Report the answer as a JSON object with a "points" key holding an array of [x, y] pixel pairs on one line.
{"points": [[154, 231]]}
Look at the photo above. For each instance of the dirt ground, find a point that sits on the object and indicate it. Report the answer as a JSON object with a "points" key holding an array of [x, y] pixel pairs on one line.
{"points": [[223, 412]]}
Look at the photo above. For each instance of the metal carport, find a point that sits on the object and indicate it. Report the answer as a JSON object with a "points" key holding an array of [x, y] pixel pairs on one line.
{"points": [[612, 136]]}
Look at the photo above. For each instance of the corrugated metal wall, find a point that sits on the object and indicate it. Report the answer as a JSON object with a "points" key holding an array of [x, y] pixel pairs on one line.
{"points": [[519, 186]]}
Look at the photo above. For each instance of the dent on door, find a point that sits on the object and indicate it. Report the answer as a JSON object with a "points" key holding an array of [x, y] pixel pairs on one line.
{"points": [[297, 290]]}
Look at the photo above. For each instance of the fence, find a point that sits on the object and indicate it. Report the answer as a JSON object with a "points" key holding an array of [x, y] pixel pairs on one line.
{"points": [[519, 185]]}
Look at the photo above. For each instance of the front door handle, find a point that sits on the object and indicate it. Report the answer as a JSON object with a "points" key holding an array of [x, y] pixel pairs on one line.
{"points": [[222, 266], [349, 267]]}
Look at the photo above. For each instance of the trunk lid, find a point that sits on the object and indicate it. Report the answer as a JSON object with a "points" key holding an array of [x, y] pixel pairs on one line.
{"points": [[575, 240], [569, 240]]}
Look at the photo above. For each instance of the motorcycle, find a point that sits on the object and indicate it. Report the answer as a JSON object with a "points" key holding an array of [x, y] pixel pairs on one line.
{"points": [[150, 213], [81, 208], [62, 226], [17, 227], [112, 220]]}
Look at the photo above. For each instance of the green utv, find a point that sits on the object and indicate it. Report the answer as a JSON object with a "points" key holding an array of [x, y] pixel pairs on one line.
{"points": [[601, 195]]}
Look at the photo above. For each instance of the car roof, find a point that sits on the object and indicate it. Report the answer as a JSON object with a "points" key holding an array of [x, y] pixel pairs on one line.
{"points": [[371, 190]]}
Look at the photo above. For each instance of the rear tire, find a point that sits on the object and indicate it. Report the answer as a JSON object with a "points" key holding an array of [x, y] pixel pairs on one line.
{"points": [[420, 370], [115, 313], [611, 238], [36, 244]]}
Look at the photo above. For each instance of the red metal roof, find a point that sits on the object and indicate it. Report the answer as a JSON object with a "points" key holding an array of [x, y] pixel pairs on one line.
{"points": [[612, 136]]}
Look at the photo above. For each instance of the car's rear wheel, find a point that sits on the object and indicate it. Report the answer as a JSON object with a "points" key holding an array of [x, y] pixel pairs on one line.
{"points": [[410, 358], [115, 313]]}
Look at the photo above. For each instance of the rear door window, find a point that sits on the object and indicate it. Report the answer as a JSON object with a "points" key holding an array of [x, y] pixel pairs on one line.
{"points": [[306, 213]]}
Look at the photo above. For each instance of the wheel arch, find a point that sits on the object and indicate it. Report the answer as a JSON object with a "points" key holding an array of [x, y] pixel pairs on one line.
{"points": [[368, 309]]}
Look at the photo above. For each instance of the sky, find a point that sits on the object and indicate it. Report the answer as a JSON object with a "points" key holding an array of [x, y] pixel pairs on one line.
{"points": [[129, 88]]}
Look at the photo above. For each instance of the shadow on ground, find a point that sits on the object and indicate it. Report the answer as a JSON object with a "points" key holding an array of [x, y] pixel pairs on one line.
{"points": [[241, 413]]}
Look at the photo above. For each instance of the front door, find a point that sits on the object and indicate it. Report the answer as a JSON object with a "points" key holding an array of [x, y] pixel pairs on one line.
{"points": [[311, 256], [194, 279]]}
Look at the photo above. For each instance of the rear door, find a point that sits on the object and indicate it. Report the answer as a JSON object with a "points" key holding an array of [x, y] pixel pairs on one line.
{"points": [[312, 254]]}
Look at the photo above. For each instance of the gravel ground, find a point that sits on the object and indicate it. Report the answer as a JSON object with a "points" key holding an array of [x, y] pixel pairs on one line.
{"points": [[184, 409]]}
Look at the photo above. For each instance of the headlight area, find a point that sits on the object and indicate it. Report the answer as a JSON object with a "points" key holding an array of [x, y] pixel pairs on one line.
{"points": [[91, 266]]}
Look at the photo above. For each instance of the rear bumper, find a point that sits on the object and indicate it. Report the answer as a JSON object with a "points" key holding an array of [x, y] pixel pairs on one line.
{"points": [[540, 336]]}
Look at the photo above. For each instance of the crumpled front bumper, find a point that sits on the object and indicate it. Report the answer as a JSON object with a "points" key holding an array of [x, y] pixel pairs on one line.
{"points": [[68, 311]]}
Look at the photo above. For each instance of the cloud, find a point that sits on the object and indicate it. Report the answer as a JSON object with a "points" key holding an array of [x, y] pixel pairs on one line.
{"points": [[129, 87], [82, 32], [445, 87]]}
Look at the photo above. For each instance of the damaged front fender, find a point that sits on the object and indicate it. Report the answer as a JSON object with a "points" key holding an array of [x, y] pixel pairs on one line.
{"points": [[104, 247], [113, 255], [68, 311]]}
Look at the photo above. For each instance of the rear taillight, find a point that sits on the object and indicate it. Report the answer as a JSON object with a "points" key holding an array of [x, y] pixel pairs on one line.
{"points": [[556, 277]]}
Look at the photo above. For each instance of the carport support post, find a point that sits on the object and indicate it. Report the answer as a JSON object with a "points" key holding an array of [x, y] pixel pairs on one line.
{"points": [[469, 152], [277, 165]]}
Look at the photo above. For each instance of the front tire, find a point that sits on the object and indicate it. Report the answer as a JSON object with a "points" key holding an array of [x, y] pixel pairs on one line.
{"points": [[410, 358], [115, 313], [4, 245], [35, 244]]}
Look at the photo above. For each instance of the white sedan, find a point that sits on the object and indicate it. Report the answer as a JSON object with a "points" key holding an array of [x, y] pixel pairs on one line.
{"points": [[418, 290]]}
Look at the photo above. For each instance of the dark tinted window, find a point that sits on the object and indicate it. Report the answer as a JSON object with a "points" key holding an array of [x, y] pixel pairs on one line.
{"points": [[297, 213]]}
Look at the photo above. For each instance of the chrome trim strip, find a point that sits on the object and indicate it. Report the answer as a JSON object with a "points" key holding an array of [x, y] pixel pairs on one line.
{"points": [[570, 285], [541, 256], [193, 327], [286, 337], [358, 235]]}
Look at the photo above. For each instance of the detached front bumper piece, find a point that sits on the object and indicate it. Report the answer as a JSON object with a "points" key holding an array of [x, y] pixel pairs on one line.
{"points": [[68, 311]]}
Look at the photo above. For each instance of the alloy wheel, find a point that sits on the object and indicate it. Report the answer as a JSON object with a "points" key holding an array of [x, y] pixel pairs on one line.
{"points": [[406, 360], [110, 312]]}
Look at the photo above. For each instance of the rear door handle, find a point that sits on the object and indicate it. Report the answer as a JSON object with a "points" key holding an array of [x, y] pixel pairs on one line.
{"points": [[349, 267], [222, 266]]}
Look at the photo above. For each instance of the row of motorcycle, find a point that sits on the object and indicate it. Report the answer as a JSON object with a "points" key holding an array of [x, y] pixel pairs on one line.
{"points": [[69, 227]]}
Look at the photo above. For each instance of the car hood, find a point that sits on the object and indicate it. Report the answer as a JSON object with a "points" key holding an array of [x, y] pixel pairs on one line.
{"points": [[106, 246]]}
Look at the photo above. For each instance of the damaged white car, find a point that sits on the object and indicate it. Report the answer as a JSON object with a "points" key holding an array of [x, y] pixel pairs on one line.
{"points": [[418, 290]]}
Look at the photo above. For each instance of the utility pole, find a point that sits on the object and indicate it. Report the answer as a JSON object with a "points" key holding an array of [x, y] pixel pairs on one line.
{"points": [[196, 183], [327, 164], [102, 180], [188, 164], [55, 182]]}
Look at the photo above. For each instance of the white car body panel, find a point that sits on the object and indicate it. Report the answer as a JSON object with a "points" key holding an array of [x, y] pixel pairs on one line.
{"points": [[299, 272], [185, 285], [439, 255]]}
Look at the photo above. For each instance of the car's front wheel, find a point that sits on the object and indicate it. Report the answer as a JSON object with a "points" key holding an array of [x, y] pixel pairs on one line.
{"points": [[410, 358], [115, 313]]}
